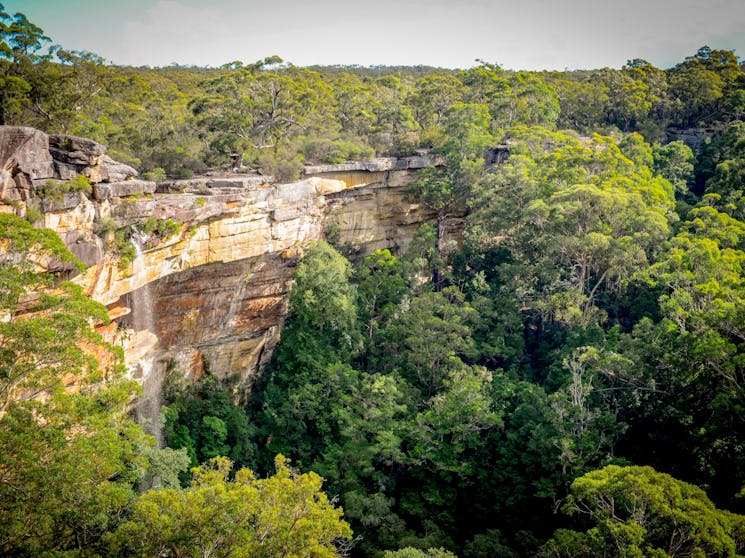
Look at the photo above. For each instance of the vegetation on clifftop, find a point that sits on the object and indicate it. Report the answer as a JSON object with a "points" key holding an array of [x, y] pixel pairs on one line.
{"points": [[566, 381]]}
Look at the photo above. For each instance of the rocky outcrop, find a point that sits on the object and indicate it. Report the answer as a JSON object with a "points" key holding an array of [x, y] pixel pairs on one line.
{"points": [[73, 155], [220, 285], [26, 150], [381, 164], [106, 191], [692, 137], [217, 278], [24, 157], [29, 159]]}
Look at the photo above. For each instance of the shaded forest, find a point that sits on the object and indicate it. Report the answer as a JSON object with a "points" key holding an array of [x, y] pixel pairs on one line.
{"points": [[566, 380]]}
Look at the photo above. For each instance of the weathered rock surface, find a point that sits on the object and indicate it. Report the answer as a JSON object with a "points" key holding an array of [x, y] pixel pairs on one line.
{"points": [[692, 137], [76, 151], [108, 190], [29, 158], [218, 287], [114, 171], [206, 185], [380, 164], [25, 150]]}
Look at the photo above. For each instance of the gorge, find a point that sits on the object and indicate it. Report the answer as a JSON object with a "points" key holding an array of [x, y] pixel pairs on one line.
{"points": [[212, 293], [269, 310]]}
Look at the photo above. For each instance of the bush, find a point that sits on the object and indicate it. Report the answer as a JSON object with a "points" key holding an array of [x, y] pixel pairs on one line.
{"points": [[183, 173], [149, 225], [105, 226], [55, 190], [282, 166], [164, 228], [167, 228], [33, 215], [343, 150], [335, 151], [78, 184], [123, 248], [158, 174]]}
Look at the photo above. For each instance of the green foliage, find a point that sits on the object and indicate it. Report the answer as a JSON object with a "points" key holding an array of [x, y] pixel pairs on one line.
{"points": [[203, 420], [283, 165], [54, 190], [381, 288], [674, 161], [158, 174], [443, 392], [640, 512], [445, 188], [433, 337], [486, 545], [64, 432], [416, 553], [286, 514], [105, 226], [323, 314], [166, 228], [33, 215], [326, 150], [164, 466], [576, 217], [123, 247]]}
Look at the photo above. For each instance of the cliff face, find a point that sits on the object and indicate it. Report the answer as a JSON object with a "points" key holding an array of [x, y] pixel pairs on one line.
{"points": [[214, 293]]}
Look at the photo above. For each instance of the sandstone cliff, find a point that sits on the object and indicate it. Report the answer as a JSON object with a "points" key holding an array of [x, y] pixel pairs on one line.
{"points": [[214, 292]]}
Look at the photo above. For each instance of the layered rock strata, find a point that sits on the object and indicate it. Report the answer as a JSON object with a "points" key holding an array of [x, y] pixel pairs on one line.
{"points": [[217, 287]]}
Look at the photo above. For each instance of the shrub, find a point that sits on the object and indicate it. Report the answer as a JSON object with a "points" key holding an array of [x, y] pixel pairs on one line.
{"points": [[156, 175], [54, 190], [282, 166], [335, 151], [149, 225], [183, 173], [105, 226], [78, 184], [123, 248], [33, 215], [166, 228]]}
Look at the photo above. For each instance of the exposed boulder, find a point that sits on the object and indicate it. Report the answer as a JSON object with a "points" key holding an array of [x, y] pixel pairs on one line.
{"points": [[73, 155], [75, 150], [89, 250], [65, 171], [114, 171], [29, 158], [106, 191], [24, 185], [25, 150], [8, 188], [62, 202]]}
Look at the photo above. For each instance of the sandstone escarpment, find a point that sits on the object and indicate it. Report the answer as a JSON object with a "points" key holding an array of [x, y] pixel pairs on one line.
{"points": [[214, 288]]}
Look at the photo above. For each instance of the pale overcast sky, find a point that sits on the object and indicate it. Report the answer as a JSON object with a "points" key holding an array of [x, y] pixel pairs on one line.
{"points": [[517, 34]]}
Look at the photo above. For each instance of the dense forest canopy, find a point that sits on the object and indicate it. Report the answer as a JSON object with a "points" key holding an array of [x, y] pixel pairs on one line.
{"points": [[566, 381]]}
